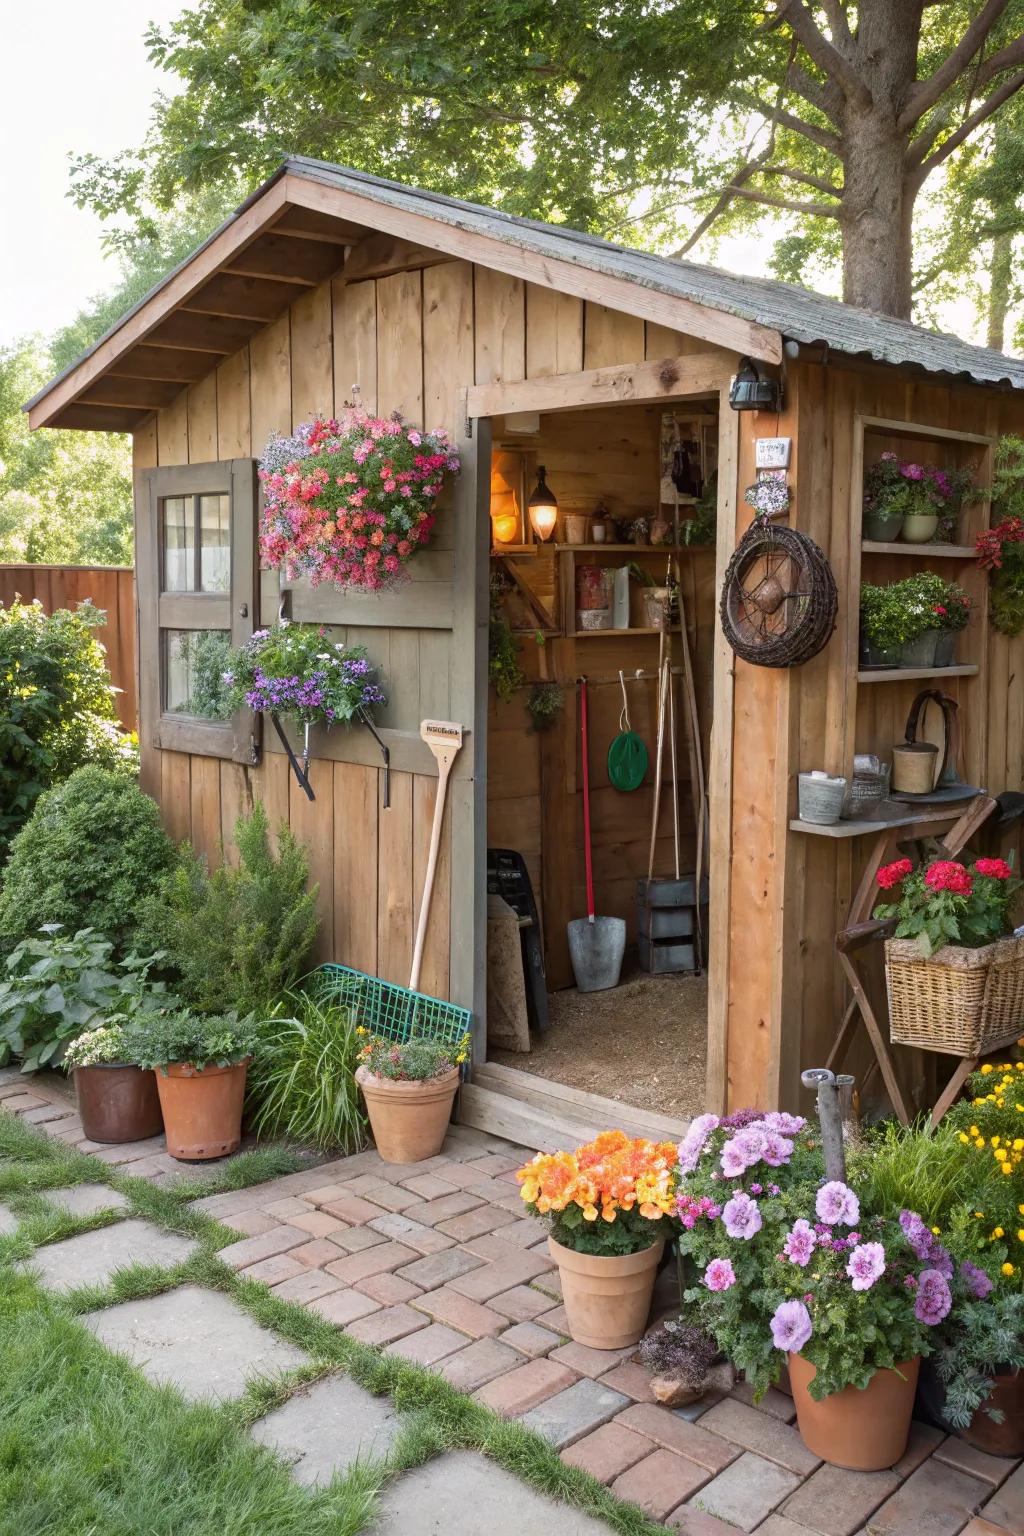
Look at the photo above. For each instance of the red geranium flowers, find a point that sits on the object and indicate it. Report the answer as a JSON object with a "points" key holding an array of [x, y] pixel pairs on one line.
{"points": [[893, 874], [948, 875]]}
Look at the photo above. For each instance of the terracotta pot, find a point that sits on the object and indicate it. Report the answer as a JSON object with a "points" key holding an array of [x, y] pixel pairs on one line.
{"points": [[607, 1300], [1007, 1395], [409, 1121], [118, 1103], [863, 1431], [202, 1109]]}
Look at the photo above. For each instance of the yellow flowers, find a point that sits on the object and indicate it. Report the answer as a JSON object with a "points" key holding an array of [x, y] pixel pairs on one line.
{"points": [[612, 1173], [1007, 1269]]}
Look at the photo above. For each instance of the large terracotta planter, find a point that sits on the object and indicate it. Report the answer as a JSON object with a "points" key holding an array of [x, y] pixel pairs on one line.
{"points": [[202, 1109], [118, 1103], [607, 1300], [863, 1431], [1007, 1395], [409, 1120]]}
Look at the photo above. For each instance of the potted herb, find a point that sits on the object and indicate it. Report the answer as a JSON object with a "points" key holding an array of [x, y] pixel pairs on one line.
{"points": [[201, 1062], [545, 703], [117, 1101], [884, 625], [352, 500], [954, 970], [788, 1267], [409, 1087], [608, 1206]]}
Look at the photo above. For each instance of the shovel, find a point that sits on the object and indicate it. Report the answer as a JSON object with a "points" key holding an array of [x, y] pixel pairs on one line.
{"points": [[596, 944]]}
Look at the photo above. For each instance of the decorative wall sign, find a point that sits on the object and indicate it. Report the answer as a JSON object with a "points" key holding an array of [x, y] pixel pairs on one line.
{"points": [[772, 452]]}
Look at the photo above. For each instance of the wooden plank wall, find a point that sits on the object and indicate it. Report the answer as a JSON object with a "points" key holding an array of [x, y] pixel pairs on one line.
{"points": [[111, 588], [411, 341]]}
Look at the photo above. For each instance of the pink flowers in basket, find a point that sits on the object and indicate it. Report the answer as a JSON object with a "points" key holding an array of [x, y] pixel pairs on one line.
{"points": [[352, 500]]}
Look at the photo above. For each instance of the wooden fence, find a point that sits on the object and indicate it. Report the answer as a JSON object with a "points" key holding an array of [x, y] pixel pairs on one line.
{"points": [[111, 588]]}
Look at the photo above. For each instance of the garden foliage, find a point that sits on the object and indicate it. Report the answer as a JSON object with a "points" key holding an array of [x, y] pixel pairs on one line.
{"points": [[302, 1081]]}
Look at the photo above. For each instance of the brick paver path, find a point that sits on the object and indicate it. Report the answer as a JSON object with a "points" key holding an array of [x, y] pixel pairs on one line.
{"points": [[436, 1262]]}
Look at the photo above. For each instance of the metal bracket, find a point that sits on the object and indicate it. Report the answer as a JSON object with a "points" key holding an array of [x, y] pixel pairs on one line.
{"points": [[300, 770], [469, 426], [385, 752]]}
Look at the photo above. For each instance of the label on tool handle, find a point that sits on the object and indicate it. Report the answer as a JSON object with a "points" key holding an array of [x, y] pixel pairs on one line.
{"points": [[443, 733]]}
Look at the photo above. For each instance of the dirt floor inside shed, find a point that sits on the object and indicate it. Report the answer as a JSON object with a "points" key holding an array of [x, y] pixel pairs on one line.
{"points": [[644, 1043]]}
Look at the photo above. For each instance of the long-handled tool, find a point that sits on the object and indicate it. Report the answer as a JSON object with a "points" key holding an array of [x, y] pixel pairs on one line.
{"points": [[444, 738], [596, 944]]}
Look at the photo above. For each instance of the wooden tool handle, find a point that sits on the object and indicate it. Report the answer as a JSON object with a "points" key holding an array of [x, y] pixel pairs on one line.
{"points": [[444, 768]]}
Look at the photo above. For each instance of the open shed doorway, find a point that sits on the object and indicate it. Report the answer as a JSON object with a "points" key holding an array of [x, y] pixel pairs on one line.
{"points": [[636, 491]]}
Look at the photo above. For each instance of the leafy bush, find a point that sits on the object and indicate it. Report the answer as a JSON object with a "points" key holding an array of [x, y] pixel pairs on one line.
{"points": [[56, 706], [155, 1040], [302, 1084], [239, 937], [60, 985], [103, 1046], [92, 851]]}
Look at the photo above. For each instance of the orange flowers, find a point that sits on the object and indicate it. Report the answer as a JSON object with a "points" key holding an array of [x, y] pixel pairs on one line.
{"points": [[612, 1173]]}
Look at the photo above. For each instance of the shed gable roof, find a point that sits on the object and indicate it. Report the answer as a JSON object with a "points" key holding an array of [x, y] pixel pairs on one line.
{"points": [[296, 230]]}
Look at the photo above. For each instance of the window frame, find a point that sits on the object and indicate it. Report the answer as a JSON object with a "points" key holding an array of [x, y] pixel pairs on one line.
{"points": [[158, 611]]}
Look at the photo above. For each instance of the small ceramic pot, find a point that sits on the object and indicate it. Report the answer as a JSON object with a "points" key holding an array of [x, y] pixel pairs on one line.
{"points": [[202, 1109], [920, 652], [919, 527], [118, 1103], [864, 1431], [821, 798], [576, 525], [607, 1299], [409, 1120], [881, 526], [945, 648]]}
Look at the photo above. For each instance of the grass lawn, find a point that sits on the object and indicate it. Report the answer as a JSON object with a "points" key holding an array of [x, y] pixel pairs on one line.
{"points": [[89, 1447]]}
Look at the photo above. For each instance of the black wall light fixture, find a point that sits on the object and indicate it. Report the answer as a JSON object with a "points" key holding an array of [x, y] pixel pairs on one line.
{"points": [[752, 390]]}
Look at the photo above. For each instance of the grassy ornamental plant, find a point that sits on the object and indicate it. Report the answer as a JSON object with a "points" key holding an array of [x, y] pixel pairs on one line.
{"points": [[302, 1084], [297, 670], [946, 902], [613, 1196], [409, 1061]]}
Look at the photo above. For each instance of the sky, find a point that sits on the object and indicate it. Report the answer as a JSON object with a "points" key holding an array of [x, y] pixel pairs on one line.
{"points": [[76, 78]]}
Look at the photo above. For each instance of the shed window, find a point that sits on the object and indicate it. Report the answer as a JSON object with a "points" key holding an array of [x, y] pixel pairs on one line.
{"points": [[197, 594]]}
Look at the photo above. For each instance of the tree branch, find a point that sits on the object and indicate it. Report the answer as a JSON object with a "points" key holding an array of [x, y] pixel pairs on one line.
{"points": [[1007, 58], [837, 20], [825, 54], [823, 97], [819, 183], [1008, 88], [793, 204], [925, 93], [726, 195], [819, 136]]}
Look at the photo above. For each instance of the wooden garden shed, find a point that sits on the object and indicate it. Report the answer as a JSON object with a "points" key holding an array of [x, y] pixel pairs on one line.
{"points": [[537, 345]]}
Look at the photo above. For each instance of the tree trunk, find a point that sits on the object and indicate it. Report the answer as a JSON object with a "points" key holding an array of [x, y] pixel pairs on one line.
{"points": [[1000, 273], [878, 210]]}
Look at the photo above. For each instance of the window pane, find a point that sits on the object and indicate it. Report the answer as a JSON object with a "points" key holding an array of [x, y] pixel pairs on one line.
{"points": [[194, 663], [215, 544], [179, 544]]}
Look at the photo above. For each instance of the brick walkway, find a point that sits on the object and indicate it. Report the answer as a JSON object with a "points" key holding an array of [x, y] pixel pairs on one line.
{"points": [[436, 1262]]}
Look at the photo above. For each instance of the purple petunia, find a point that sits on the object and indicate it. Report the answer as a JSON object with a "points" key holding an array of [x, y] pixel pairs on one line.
{"points": [[786, 1125], [800, 1243], [866, 1265], [933, 1298], [918, 1235], [742, 1217], [791, 1326], [719, 1275], [693, 1143], [976, 1280], [836, 1203]]}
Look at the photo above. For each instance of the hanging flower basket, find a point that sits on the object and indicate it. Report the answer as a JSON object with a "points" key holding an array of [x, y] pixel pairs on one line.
{"points": [[352, 500]]}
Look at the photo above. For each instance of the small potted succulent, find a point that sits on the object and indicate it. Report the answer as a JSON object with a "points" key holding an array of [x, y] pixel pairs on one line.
{"points": [[409, 1087], [117, 1101], [609, 1209], [201, 1062]]}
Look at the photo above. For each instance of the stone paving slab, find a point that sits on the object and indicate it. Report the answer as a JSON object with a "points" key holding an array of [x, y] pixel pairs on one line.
{"points": [[196, 1340], [1007, 1506], [462, 1494], [86, 1199], [571, 1414], [8, 1220], [747, 1491], [92, 1258], [324, 1428]]}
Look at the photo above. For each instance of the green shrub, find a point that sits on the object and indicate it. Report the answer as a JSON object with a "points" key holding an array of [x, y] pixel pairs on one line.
{"points": [[302, 1083], [154, 1040], [91, 852], [56, 706], [59, 986], [239, 937]]}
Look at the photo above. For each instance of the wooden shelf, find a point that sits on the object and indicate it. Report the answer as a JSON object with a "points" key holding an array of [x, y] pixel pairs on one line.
{"points": [[632, 549], [910, 674], [600, 634], [929, 551], [856, 826]]}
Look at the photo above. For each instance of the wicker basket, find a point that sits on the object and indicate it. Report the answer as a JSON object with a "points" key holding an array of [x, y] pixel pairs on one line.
{"points": [[960, 1001]]}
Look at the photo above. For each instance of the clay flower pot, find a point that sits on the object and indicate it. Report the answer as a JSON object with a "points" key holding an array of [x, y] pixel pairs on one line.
{"points": [[118, 1103], [863, 1431], [202, 1109], [1007, 1396], [607, 1299], [409, 1120]]}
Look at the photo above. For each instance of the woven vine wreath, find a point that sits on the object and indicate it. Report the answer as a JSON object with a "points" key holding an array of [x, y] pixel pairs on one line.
{"points": [[779, 598]]}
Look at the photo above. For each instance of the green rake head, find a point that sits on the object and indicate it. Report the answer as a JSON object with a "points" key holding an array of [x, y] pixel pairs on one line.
{"points": [[392, 1012]]}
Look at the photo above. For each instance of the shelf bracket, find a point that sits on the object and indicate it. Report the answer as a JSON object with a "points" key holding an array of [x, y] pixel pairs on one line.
{"points": [[385, 752], [300, 770]]}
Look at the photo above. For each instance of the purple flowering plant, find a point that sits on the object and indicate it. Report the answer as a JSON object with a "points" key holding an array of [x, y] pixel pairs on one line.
{"points": [[781, 1260], [298, 671]]}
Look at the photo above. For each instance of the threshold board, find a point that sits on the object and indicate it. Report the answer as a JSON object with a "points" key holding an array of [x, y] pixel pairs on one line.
{"points": [[551, 1116]]}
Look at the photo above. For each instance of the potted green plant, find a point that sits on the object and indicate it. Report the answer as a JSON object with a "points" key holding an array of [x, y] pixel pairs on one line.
{"points": [[609, 1207], [409, 1088], [790, 1267], [922, 597], [953, 614], [117, 1101], [201, 1062], [913, 501]]}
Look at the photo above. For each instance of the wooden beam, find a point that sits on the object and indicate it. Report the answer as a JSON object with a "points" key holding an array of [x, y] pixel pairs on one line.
{"points": [[302, 262], [98, 418], [178, 288], [241, 298], [303, 224], [745, 337], [137, 394], [380, 255], [701, 373], [218, 334], [146, 362]]}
